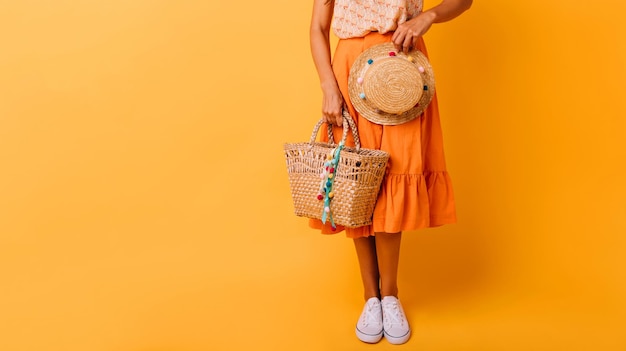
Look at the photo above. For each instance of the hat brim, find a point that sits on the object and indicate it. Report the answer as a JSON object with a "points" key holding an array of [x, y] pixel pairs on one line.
{"points": [[366, 108]]}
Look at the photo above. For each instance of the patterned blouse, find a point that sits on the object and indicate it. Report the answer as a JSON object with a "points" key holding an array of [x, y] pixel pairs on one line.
{"points": [[356, 18]]}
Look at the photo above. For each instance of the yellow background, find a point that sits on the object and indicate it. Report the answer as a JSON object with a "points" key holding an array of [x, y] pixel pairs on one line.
{"points": [[144, 203]]}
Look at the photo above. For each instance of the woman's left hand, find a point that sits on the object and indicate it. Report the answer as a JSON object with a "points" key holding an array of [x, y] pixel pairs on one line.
{"points": [[408, 33]]}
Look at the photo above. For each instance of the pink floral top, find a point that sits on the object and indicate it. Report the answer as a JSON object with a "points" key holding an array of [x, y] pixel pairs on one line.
{"points": [[356, 18]]}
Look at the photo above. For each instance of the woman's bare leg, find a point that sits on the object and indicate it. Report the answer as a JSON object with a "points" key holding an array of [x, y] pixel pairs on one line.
{"points": [[388, 253], [368, 263]]}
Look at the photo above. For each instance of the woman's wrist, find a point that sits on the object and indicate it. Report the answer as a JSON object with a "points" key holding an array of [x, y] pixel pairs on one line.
{"points": [[429, 15], [447, 10], [329, 85]]}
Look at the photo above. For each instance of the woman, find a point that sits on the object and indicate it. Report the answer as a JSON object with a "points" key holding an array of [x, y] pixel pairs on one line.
{"points": [[416, 192]]}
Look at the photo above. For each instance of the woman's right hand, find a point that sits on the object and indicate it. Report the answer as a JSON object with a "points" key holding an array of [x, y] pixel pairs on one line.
{"points": [[332, 105]]}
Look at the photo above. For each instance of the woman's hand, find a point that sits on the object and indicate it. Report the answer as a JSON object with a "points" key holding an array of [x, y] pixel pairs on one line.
{"points": [[408, 33], [332, 104]]}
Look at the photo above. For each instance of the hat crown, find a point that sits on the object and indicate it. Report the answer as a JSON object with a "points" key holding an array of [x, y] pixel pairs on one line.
{"points": [[393, 84]]}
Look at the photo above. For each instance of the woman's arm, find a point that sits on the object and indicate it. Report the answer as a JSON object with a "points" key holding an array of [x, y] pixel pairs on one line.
{"points": [[407, 34], [332, 101]]}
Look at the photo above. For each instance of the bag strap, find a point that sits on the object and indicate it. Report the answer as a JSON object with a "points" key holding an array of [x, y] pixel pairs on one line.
{"points": [[348, 124]]}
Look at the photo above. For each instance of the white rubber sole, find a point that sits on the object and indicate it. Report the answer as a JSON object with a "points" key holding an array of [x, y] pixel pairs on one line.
{"points": [[369, 338], [398, 340]]}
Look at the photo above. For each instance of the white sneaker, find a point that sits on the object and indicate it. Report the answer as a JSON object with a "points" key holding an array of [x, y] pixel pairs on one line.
{"points": [[369, 328], [396, 326]]}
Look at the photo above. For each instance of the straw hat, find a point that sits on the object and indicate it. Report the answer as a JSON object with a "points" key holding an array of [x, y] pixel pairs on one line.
{"points": [[389, 87]]}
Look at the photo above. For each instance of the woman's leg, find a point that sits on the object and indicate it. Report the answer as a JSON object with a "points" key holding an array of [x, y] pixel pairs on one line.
{"points": [[388, 253], [368, 263], [378, 259], [369, 327], [395, 325]]}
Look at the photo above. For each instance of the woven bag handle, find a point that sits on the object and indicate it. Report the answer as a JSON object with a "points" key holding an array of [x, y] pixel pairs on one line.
{"points": [[348, 123], [355, 133], [316, 129]]}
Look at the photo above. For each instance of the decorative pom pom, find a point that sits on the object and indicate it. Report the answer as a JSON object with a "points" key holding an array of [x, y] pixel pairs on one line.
{"points": [[421, 69], [370, 61], [320, 197], [410, 58], [362, 96], [331, 195], [425, 87], [322, 176], [333, 228], [360, 80], [331, 170], [330, 176], [392, 53], [326, 209]]}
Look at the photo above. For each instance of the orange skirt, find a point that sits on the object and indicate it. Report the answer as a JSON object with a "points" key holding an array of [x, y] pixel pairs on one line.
{"points": [[417, 191]]}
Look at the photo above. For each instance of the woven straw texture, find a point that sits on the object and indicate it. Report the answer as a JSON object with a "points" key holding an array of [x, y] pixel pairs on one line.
{"points": [[357, 181], [388, 87]]}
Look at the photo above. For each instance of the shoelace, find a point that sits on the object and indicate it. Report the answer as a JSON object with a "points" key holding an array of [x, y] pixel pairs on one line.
{"points": [[371, 315], [393, 314]]}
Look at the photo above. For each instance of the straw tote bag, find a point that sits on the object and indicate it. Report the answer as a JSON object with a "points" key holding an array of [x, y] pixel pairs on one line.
{"points": [[335, 183]]}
